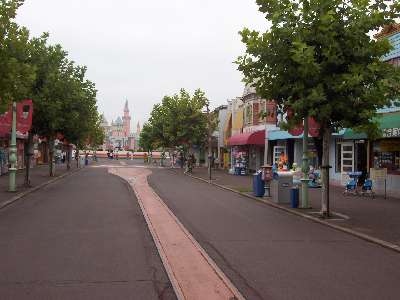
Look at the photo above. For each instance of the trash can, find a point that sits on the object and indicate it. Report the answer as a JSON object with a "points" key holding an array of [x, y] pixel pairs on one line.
{"points": [[86, 161], [258, 185], [294, 197], [281, 186], [81, 160]]}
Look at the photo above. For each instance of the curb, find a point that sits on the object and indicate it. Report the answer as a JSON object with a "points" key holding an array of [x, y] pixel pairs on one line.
{"points": [[352, 232], [34, 189]]}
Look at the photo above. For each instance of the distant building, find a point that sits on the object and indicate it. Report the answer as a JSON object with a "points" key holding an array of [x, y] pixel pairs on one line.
{"points": [[118, 134]]}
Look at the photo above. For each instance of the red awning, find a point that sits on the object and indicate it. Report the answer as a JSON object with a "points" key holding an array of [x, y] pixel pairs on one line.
{"points": [[252, 138]]}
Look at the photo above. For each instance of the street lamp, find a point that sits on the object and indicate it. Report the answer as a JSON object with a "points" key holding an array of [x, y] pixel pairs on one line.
{"points": [[13, 150], [305, 167], [209, 138]]}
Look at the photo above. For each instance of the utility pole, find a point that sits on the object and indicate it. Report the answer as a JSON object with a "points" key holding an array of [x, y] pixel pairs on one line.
{"points": [[13, 150], [305, 167], [209, 139]]}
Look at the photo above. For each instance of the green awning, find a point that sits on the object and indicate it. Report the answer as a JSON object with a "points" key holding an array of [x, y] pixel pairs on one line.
{"points": [[389, 123], [349, 134]]}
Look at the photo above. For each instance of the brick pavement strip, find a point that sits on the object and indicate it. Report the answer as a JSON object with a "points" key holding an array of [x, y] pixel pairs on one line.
{"points": [[361, 235], [192, 272]]}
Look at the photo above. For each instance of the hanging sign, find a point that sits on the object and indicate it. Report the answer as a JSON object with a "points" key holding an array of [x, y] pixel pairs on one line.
{"points": [[24, 118], [313, 126]]}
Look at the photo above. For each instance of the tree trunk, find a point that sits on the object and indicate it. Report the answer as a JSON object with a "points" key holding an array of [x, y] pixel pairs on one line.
{"points": [[28, 156], [325, 173], [51, 158], [69, 155]]}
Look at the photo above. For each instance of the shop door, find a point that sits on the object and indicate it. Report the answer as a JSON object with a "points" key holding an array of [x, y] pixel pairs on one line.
{"points": [[347, 158]]}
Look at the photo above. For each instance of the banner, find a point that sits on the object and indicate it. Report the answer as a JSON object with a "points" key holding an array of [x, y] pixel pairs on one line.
{"points": [[313, 126], [24, 118]]}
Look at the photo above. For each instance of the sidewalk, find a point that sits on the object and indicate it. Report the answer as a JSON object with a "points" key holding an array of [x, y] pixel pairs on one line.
{"points": [[376, 217], [39, 175]]}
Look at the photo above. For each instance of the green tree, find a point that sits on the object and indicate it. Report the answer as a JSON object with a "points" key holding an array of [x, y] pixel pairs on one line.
{"points": [[64, 100], [16, 73], [320, 60], [178, 120], [146, 140]]}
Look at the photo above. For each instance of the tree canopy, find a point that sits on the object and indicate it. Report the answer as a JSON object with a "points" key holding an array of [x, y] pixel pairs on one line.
{"points": [[319, 58], [64, 100], [178, 120], [16, 73]]}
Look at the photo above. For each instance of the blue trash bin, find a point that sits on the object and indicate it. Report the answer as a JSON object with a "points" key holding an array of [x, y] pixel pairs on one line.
{"points": [[258, 185], [294, 197]]}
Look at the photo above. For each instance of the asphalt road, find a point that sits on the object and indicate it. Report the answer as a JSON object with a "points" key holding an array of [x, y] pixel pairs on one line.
{"points": [[269, 254], [83, 237]]}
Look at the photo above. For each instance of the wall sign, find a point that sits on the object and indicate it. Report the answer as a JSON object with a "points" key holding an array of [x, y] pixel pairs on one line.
{"points": [[391, 132]]}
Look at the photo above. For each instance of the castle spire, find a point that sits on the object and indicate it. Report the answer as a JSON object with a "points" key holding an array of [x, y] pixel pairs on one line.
{"points": [[126, 108]]}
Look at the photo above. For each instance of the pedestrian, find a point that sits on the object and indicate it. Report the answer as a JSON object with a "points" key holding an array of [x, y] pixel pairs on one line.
{"points": [[173, 159], [77, 158], [181, 159]]}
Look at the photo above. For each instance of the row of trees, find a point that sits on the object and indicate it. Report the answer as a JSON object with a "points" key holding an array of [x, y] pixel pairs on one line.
{"points": [[64, 99], [319, 59], [179, 121]]}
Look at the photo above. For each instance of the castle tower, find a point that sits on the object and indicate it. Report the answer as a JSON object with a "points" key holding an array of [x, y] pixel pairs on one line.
{"points": [[127, 119], [138, 128]]}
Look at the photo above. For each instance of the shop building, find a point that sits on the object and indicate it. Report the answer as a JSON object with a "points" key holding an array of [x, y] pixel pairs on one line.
{"points": [[249, 126]]}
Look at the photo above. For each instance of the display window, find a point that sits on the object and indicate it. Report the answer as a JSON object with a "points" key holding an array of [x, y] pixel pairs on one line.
{"points": [[386, 154], [240, 159]]}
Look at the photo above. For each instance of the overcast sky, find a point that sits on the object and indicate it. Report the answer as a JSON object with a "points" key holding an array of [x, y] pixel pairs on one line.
{"points": [[142, 50]]}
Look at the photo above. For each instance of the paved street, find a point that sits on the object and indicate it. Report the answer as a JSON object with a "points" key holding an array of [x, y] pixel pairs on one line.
{"points": [[377, 217], [83, 237], [269, 254]]}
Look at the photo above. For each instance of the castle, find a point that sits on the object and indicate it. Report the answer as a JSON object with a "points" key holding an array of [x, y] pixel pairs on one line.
{"points": [[118, 135]]}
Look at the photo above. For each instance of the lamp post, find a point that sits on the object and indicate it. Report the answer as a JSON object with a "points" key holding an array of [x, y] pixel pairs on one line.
{"points": [[13, 150], [305, 167], [209, 139]]}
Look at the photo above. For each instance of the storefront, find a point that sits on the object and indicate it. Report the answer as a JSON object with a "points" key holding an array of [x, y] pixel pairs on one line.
{"points": [[283, 143], [356, 153], [386, 151], [3, 156], [247, 151], [4, 149], [386, 154]]}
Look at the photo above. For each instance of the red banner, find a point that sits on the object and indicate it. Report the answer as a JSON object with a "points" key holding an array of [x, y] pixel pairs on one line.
{"points": [[313, 126], [24, 118]]}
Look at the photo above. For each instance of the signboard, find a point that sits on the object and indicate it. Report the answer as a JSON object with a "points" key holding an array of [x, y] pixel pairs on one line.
{"points": [[24, 118], [313, 126], [391, 132], [378, 174]]}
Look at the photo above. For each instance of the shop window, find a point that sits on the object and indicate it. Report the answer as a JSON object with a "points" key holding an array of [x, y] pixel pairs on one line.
{"points": [[277, 152], [248, 115], [387, 155], [263, 109]]}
